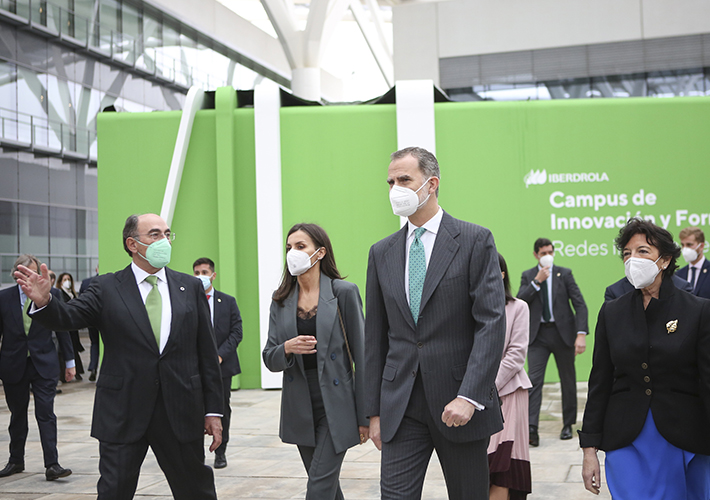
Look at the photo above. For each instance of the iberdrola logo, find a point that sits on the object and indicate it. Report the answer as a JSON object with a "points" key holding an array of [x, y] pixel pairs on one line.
{"points": [[535, 177]]}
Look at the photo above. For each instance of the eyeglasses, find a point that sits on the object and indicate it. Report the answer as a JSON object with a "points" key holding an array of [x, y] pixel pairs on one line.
{"points": [[157, 235]]}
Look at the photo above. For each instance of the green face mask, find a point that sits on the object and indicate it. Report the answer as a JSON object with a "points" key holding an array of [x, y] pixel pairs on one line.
{"points": [[157, 253]]}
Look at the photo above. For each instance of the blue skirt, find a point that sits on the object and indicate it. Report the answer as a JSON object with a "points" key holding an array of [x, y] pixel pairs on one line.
{"points": [[651, 468]]}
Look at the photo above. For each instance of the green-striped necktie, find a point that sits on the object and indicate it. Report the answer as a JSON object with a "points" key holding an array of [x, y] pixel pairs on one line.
{"points": [[417, 273], [26, 320], [154, 307]]}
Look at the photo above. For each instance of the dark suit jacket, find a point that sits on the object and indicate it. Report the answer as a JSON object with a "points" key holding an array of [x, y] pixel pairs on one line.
{"points": [[343, 394], [133, 371], [564, 291], [85, 284], [640, 365], [38, 342], [463, 303], [621, 287], [702, 287], [227, 332]]}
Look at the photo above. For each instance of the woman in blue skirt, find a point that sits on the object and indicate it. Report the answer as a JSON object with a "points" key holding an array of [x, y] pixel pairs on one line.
{"points": [[648, 405]]}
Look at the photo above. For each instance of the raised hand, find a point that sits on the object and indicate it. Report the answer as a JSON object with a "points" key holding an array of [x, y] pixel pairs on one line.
{"points": [[35, 286]]}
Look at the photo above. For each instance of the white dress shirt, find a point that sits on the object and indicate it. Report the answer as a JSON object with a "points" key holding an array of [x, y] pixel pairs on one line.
{"points": [[428, 239], [144, 288], [698, 267], [210, 301], [549, 291]]}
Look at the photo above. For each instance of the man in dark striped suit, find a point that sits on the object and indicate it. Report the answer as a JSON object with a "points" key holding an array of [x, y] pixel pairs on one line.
{"points": [[434, 334]]}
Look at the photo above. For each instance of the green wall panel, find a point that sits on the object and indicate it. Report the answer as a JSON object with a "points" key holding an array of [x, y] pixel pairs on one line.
{"points": [[334, 167], [334, 170]]}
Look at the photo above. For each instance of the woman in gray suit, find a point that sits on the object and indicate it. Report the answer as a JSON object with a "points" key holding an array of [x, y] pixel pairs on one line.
{"points": [[315, 336]]}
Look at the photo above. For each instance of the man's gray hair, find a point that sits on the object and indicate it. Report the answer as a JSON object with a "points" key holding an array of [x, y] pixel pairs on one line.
{"points": [[130, 230], [24, 260], [428, 165]]}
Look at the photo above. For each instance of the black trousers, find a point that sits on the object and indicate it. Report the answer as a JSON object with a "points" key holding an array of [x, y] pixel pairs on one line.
{"points": [[321, 461], [226, 415], [18, 400], [183, 463], [549, 341], [405, 458]]}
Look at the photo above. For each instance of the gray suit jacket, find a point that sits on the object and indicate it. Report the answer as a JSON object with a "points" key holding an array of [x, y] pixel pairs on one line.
{"points": [[343, 394], [564, 291], [457, 343]]}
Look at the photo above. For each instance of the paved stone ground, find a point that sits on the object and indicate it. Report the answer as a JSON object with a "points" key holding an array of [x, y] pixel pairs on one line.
{"points": [[260, 466]]}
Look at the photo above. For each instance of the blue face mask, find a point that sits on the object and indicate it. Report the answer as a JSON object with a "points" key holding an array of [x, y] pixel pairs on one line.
{"points": [[206, 281], [158, 253]]}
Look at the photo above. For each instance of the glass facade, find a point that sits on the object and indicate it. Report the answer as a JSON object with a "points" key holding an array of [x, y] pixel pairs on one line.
{"points": [[671, 83], [61, 63]]}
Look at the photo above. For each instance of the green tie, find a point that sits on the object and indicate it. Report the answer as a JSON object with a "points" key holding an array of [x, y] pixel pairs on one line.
{"points": [[417, 273], [26, 320], [154, 307]]}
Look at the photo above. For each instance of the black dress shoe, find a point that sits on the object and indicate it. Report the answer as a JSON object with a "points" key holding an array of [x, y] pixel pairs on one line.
{"points": [[220, 461], [11, 469], [566, 432], [92, 376], [56, 471], [534, 437], [78, 377]]}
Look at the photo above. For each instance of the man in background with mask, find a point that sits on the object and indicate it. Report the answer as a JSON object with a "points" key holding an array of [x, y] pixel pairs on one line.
{"points": [[227, 324], [554, 328], [697, 272], [160, 382], [434, 335]]}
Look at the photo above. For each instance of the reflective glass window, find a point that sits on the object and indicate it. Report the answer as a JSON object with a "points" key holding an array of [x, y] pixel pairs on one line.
{"points": [[8, 233]]}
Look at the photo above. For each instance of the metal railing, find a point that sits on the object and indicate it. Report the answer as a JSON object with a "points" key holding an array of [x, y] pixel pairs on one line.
{"points": [[108, 42], [47, 135]]}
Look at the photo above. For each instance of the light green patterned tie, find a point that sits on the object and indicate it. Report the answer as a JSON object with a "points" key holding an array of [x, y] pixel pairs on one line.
{"points": [[154, 307], [26, 320], [417, 273]]}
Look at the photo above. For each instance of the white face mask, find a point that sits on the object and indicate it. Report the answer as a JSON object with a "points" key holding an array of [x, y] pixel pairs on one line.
{"points": [[641, 272], [299, 262], [405, 201], [690, 254], [66, 285], [546, 260]]}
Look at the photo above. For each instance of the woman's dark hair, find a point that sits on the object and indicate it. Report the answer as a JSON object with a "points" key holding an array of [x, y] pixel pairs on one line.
{"points": [[58, 283], [327, 263], [655, 236], [506, 279]]}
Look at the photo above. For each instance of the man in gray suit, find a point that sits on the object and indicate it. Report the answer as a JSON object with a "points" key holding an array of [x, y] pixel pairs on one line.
{"points": [[434, 335], [555, 329]]}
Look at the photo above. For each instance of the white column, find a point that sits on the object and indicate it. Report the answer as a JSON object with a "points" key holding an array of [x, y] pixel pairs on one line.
{"points": [[269, 223], [305, 83], [193, 103], [415, 117], [415, 114]]}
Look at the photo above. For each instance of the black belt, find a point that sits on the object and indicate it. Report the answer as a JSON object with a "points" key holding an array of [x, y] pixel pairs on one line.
{"points": [[548, 324]]}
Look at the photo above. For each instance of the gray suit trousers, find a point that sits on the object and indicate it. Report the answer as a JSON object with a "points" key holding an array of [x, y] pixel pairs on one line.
{"points": [[405, 458]]}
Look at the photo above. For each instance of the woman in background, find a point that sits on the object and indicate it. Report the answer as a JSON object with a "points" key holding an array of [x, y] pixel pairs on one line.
{"points": [[65, 283], [315, 334], [508, 451]]}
